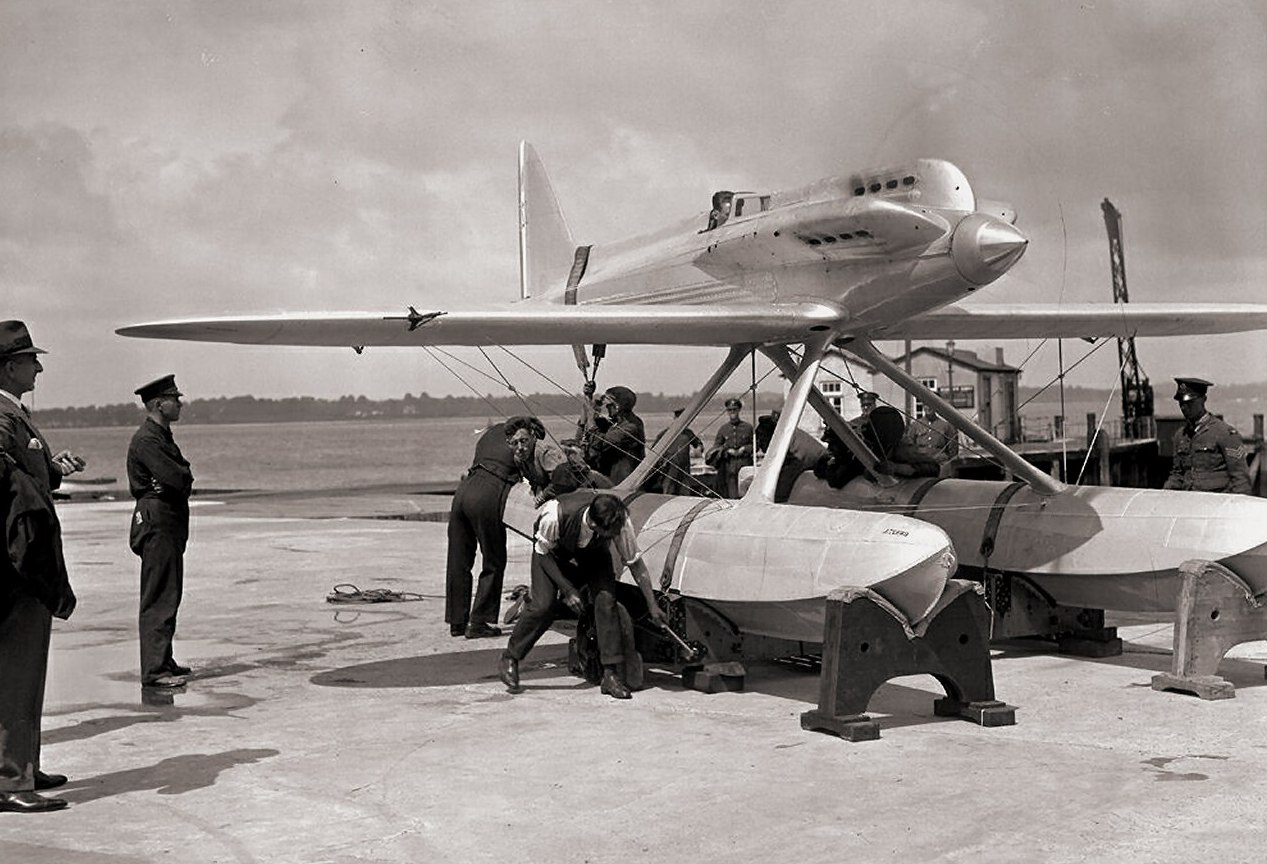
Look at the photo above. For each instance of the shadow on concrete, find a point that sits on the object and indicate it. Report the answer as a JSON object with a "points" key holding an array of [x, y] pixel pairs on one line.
{"points": [[894, 705], [156, 706], [14, 851], [1146, 658], [173, 776], [447, 670]]}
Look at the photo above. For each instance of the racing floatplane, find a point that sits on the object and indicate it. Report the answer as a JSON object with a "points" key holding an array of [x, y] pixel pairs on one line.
{"points": [[868, 572]]}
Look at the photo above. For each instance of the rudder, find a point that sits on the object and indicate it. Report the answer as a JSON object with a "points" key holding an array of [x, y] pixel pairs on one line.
{"points": [[546, 248]]}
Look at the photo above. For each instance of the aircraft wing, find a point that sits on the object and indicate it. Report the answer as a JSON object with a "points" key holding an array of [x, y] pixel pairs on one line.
{"points": [[514, 324], [1079, 320]]}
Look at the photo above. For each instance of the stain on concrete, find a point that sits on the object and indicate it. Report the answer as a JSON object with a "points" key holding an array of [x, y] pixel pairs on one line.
{"points": [[1163, 775]]}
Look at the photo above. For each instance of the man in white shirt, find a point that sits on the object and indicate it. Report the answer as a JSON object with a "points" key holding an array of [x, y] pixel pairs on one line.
{"points": [[578, 540]]}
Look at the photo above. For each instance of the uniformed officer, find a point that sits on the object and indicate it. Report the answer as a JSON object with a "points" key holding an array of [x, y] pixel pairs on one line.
{"points": [[160, 480], [929, 444], [1209, 455], [33, 583], [732, 450], [867, 400]]}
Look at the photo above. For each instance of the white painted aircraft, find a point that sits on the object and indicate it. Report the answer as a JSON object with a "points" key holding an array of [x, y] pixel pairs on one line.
{"points": [[880, 254]]}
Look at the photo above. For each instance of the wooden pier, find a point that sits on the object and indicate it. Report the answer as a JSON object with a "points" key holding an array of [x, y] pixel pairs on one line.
{"points": [[1102, 458]]}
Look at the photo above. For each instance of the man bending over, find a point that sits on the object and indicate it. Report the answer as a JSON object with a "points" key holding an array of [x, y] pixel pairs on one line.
{"points": [[578, 539]]}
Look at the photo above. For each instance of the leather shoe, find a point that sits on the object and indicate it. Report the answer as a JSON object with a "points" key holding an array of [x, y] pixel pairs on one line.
{"points": [[176, 669], [614, 687], [165, 682], [29, 802], [49, 781], [456, 630], [482, 631], [508, 671]]}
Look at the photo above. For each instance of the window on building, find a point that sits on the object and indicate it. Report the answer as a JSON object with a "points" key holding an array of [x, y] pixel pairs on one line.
{"points": [[921, 410], [962, 396]]}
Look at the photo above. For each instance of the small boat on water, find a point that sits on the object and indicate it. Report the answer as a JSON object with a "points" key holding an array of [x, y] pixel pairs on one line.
{"points": [[88, 487]]}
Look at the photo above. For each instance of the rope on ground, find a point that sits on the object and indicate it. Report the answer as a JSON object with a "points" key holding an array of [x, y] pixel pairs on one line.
{"points": [[346, 592]]}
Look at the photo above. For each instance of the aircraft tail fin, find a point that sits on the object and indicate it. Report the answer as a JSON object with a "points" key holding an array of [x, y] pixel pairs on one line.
{"points": [[546, 248]]}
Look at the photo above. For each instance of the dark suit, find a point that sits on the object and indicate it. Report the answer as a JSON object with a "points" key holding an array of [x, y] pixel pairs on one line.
{"points": [[33, 588], [160, 480], [475, 520]]}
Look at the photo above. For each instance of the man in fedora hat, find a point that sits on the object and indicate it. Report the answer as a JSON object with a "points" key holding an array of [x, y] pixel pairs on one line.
{"points": [[161, 482], [1209, 455], [34, 586]]}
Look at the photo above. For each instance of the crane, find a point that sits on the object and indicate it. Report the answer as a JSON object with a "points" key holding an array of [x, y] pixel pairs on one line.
{"points": [[1137, 393]]}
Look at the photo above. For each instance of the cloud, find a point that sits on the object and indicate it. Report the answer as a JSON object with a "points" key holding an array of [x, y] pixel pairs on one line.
{"points": [[196, 158]]}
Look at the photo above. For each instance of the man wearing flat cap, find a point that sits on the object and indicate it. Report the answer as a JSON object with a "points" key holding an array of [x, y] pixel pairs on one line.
{"points": [[731, 450], [1209, 455], [33, 582], [161, 482]]}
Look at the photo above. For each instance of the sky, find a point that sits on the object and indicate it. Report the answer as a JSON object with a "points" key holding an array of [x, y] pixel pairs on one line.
{"points": [[176, 159]]}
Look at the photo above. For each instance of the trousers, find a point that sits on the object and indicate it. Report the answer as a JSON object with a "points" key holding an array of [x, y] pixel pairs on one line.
{"points": [[162, 585], [475, 520], [25, 625], [592, 568]]}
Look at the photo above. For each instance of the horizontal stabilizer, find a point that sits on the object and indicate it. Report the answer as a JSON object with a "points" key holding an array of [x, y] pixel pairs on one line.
{"points": [[1079, 320], [515, 324]]}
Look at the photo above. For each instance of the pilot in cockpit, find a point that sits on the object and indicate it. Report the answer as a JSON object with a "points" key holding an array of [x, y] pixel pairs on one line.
{"points": [[721, 209]]}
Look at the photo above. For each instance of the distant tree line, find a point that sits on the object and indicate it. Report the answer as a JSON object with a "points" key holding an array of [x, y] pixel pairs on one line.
{"points": [[249, 409]]}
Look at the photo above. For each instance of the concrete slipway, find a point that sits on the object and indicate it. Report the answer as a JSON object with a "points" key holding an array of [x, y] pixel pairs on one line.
{"points": [[315, 733]]}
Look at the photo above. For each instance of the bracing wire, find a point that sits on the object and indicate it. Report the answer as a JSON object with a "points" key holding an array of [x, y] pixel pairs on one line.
{"points": [[1104, 413]]}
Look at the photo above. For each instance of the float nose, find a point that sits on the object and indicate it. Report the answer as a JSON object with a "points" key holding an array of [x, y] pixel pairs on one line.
{"points": [[984, 248]]}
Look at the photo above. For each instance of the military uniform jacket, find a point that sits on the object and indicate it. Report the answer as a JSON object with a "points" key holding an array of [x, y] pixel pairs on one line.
{"points": [[734, 435], [160, 480], [1209, 457]]}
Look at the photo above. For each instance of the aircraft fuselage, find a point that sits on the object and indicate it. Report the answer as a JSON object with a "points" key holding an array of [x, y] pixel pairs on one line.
{"points": [[880, 247]]}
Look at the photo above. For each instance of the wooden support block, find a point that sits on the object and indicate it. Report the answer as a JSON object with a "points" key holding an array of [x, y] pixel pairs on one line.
{"points": [[1097, 642], [867, 642], [714, 677], [992, 713], [1022, 609], [859, 727], [1216, 612], [1202, 686]]}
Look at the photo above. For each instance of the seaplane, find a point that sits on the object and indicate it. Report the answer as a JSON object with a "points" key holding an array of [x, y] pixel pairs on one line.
{"points": [[845, 261]]}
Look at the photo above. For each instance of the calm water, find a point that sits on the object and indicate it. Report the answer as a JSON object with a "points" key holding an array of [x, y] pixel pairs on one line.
{"points": [[301, 456], [332, 455]]}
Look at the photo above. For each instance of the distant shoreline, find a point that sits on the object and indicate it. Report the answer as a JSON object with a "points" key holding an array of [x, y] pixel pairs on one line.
{"points": [[249, 409]]}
